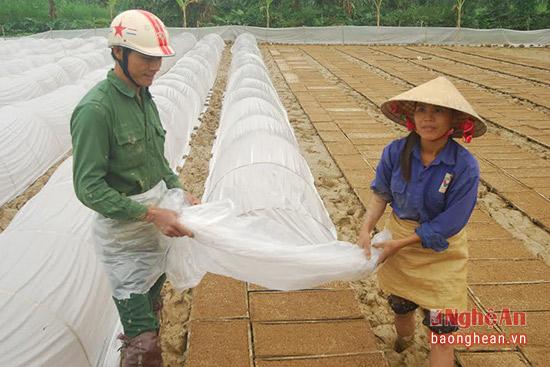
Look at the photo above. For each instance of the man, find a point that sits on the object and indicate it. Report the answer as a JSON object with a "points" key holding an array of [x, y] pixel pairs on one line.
{"points": [[119, 171]]}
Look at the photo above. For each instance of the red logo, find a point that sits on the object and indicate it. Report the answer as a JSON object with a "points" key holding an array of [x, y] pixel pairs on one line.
{"points": [[118, 29]]}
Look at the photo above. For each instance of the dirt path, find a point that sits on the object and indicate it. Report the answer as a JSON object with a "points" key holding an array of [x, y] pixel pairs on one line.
{"points": [[177, 305], [503, 273], [346, 211]]}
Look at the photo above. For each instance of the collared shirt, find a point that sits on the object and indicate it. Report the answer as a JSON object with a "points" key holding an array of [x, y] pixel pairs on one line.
{"points": [[118, 149], [441, 196]]}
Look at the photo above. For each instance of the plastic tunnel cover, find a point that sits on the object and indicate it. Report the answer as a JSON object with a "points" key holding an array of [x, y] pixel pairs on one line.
{"points": [[55, 300], [260, 148], [276, 191], [248, 71], [251, 124], [244, 92], [249, 106]]}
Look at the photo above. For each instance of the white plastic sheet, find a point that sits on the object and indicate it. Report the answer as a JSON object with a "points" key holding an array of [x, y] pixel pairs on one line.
{"points": [[46, 78], [36, 134], [36, 131], [55, 299], [256, 162], [181, 92], [255, 249], [350, 35], [130, 251]]}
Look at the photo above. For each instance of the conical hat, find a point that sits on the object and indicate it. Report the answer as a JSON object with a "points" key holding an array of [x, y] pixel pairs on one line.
{"points": [[440, 92]]}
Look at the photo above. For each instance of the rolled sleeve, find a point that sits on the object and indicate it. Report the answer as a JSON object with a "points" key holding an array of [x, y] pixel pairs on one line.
{"points": [[431, 239], [90, 139], [461, 200], [171, 179]]}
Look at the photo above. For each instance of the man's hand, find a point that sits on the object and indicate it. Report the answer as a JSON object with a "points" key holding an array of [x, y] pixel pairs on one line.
{"points": [[389, 248], [192, 199], [167, 222], [364, 241]]}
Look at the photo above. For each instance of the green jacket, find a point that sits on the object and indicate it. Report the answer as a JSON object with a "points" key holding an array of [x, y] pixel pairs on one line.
{"points": [[118, 149]]}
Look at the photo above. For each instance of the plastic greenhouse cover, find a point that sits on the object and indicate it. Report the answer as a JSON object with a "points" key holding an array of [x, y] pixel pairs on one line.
{"points": [[55, 301], [239, 93], [36, 134], [22, 46], [37, 131], [17, 65], [278, 193], [46, 78], [182, 75], [250, 124], [247, 82], [186, 84], [197, 67], [240, 59], [248, 71], [249, 106], [181, 43], [254, 148], [254, 248], [349, 34], [207, 52]]}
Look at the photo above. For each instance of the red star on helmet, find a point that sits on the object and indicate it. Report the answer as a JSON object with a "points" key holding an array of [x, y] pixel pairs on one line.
{"points": [[118, 29]]}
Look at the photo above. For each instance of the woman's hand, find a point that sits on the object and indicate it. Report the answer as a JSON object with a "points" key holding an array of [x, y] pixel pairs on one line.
{"points": [[376, 208], [364, 241], [388, 248]]}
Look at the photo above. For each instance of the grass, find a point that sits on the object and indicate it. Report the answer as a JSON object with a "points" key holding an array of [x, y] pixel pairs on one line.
{"points": [[30, 16]]}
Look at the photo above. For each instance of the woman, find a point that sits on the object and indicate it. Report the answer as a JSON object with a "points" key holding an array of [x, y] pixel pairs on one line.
{"points": [[431, 182]]}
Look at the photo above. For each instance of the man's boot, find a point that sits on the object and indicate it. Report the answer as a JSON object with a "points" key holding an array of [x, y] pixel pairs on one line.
{"points": [[157, 309], [142, 350]]}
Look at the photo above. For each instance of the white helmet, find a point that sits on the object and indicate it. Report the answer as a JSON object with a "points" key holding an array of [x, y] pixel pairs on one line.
{"points": [[140, 31]]}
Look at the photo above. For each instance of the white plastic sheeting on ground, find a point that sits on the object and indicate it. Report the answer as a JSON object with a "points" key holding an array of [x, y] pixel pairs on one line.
{"points": [[181, 93], [256, 152], [37, 131], [181, 44], [12, 65], [263, 221], [257, 249], [46, 78], [55, 300], [19, 48], [353, 35], [35, 134]]}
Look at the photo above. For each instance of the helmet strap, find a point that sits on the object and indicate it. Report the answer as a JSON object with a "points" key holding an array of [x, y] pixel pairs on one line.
{"points": [[124, 64]]}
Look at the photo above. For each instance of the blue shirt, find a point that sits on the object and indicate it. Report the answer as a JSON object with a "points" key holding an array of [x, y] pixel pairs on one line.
{"points": [[441, 196]]}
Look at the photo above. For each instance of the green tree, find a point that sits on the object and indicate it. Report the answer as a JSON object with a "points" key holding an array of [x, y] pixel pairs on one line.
{"points": [[378, 5], [458, 8], [266, 8], [52, 11], [111, 4], [183, 5]]}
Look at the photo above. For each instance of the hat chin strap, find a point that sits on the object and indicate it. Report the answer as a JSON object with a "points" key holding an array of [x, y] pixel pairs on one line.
{"points": [[124, 64]]}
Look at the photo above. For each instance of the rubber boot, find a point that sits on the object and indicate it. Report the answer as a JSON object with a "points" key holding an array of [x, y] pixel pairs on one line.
{"points": [[142, 350]]}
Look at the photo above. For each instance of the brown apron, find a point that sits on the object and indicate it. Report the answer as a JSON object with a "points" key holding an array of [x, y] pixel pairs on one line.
{"points": [[433, 280]]}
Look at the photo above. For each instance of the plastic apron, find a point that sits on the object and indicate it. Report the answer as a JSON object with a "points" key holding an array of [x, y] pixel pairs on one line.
{"points": [[433, 280], [131, 251]]}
